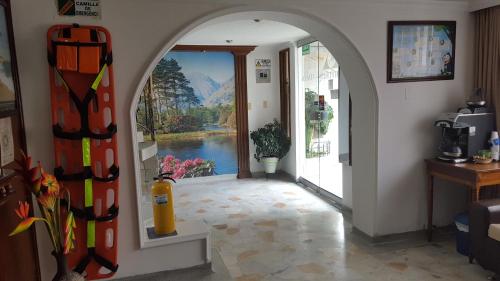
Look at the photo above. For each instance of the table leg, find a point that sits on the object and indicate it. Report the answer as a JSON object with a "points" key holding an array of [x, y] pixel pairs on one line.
{"points": [[430, 205], [476, 193]]}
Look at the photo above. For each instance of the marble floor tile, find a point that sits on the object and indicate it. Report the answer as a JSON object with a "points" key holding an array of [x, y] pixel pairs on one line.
{"points": [[272, 229]]}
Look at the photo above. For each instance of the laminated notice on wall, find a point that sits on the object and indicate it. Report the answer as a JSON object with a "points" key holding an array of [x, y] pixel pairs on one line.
{"points": [[86, 8]]}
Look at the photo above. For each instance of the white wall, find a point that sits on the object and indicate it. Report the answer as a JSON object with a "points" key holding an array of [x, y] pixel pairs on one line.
{"points": [[260, 93], [140, 30]]}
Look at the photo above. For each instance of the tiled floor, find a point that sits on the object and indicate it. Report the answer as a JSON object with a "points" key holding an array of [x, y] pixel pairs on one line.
{"points": [[276, 230]]}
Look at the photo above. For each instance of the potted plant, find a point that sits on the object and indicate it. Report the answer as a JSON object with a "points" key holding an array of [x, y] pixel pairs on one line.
{"points": [[271, 143]]}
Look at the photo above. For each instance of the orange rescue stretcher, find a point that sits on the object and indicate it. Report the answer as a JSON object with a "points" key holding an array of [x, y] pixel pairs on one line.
{"points": [[85, 141]]}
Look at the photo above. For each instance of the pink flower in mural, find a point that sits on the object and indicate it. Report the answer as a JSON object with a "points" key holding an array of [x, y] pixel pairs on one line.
{"points": [[167, 169], [198, 161], [188, 168]]}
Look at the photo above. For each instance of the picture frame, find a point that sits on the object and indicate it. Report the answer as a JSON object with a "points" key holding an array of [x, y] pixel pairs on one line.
{"points": [[420, 51], [9, 79]]}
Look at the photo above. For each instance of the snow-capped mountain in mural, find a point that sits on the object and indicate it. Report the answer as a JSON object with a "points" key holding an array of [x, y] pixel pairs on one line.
{"points": [[202, 84], [223, 95], [209, 91]]}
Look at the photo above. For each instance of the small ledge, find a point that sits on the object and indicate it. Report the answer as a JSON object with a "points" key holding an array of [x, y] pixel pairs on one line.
{"points": [[186, 231], [148, 150]]}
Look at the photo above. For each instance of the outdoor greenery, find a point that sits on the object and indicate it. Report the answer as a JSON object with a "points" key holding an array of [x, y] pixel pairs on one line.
{"points": [[313, 123], [270, 141]]}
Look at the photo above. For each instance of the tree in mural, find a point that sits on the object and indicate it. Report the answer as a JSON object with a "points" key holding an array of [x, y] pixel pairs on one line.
{"points": [[159, 87], [189, 98], [170, 83]]}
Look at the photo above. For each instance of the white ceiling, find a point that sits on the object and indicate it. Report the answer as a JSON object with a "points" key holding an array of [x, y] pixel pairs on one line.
{"points": [[243, 32]]}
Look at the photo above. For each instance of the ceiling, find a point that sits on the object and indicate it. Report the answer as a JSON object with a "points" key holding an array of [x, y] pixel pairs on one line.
{"points": [[243, 32]]}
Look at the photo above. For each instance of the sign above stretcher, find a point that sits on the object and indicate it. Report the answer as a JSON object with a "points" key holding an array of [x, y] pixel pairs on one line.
{"points": [[86, 8]]}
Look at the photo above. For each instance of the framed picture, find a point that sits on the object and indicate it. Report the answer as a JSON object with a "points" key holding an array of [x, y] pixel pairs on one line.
{"points": [[420, 51], [9, 82]]}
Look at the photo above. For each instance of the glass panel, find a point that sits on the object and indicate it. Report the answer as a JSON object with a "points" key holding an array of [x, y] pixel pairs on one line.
{"points": [[309, 86], [330, 168], [319, 72]]}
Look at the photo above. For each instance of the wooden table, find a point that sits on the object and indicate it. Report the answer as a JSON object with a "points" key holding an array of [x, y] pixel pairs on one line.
{"points": [[473, 176]]}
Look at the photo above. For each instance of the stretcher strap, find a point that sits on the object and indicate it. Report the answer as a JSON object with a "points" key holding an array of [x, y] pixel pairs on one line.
{"points": [[91, 219], [83, 105], [91, 254], [83, 109], [84, 132], [107, 58], [89, 193], [88, 213], [87, 173]]}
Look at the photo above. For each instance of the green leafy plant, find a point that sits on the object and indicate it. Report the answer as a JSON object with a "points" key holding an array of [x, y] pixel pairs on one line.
{"points": [[311, 110], [270, 141], [484, 153]]}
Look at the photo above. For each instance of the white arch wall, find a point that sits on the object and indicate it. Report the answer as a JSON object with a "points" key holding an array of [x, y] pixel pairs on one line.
{"points": [[363, 94], [140, 30]]}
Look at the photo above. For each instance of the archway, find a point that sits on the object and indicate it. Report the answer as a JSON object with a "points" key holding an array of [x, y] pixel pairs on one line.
{"points": [[362, 89]]}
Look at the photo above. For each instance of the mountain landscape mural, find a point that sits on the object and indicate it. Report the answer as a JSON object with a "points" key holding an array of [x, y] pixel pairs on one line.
{"points": [[193, 96]]}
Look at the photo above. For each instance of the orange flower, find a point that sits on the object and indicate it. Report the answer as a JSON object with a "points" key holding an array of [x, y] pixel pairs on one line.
{"points": [[50, 182], [37, 186], [47, 200], [23, 211]]}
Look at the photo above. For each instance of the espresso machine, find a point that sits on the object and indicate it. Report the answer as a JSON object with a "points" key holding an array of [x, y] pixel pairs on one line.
{"points": [[463, 135]]}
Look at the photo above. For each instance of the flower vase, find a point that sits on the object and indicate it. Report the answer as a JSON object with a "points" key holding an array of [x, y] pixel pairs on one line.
{"points": [[62, 266], [63, 274]]}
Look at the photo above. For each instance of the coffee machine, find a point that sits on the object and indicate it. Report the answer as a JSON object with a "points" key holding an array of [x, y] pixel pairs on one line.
{"points": [[463, 135]]}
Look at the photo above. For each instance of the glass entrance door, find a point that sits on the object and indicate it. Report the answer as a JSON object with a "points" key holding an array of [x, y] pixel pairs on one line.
{"points": [[319, 72], [310, 89]]}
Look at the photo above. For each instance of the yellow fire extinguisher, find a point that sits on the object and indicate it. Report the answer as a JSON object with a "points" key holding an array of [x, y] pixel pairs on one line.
{"points": [[163, 205]]}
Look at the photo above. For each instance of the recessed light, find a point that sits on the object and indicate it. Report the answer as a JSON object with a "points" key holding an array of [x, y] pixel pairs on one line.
{"points": [[256, 20], [229, 41]]}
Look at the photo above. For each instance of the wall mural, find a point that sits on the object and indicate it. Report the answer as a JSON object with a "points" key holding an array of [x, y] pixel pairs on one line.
{"points": [[192, 111]]}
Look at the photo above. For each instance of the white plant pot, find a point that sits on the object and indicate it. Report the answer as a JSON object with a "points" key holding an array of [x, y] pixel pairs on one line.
{"points": [[270, 164]]}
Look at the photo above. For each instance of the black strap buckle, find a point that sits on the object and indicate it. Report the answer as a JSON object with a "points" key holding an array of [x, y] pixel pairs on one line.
{"points": [[87, 173], [83, 133], [89, 215], [91, 254]]}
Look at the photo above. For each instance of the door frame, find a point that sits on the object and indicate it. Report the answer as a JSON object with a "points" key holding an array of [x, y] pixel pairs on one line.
{"points": [[285, 91]]}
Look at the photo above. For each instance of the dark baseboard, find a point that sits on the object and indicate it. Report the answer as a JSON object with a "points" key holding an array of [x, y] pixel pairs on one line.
{"points": [[282, 175], [440, 234]]}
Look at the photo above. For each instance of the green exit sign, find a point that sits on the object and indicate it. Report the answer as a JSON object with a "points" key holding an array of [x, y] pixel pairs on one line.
{"points": [[306, 49]]}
